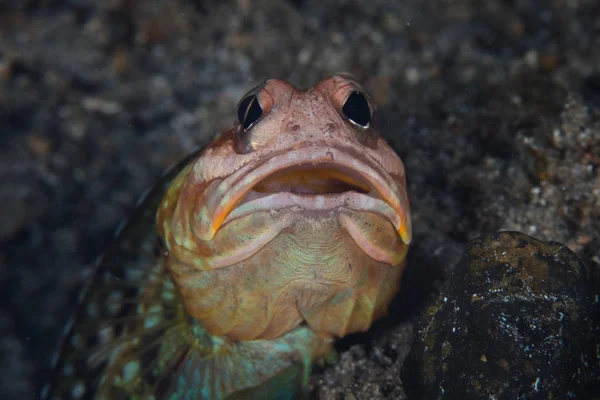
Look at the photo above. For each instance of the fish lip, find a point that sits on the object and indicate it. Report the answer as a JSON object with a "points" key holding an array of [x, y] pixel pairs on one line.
{"points": [[226, 196]]}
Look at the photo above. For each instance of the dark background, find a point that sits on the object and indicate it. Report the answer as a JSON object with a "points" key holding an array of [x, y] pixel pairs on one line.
{"points": [[492, 105]]}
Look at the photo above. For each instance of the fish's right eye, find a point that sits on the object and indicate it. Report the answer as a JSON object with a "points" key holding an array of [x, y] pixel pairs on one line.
{"points": [[253, 108], [249, 111]]}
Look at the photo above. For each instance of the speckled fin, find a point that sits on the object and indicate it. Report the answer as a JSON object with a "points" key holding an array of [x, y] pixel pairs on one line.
{"points": [[130, 303], [257, 369]]}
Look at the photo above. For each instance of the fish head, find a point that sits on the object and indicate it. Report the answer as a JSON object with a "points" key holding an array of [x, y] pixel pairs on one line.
{"points": [[296, 215]]}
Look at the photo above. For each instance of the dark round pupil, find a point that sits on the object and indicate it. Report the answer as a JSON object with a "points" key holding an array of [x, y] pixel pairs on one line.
{"points": [[357, 110], [249, 111]]}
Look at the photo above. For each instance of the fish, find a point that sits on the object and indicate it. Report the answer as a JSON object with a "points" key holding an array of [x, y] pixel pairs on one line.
{"points": [[238, 271]]}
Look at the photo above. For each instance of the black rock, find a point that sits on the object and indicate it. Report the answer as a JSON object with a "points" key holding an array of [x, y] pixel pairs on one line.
{"points": [[519, 319]]}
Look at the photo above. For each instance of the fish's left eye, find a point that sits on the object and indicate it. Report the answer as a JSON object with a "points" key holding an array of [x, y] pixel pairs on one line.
{"points": [[356, 109], [249, 111]]}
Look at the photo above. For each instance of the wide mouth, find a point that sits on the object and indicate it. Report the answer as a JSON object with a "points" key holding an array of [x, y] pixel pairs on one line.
{"points": [[313, 179]]}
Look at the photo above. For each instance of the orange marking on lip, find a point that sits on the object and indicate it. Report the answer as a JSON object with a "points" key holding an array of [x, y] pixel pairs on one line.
{"points": [[405, 234], [218, 219]]}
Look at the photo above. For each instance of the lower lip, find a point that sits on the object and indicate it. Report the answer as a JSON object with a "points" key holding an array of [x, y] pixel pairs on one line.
{"points": [[319, 203]]}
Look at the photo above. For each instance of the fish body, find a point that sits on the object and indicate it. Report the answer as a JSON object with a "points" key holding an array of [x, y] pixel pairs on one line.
{"points": [[240, 269]]}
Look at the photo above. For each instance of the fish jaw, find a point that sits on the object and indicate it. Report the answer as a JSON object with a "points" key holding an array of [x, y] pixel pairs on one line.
{"points": [[227, 195]]}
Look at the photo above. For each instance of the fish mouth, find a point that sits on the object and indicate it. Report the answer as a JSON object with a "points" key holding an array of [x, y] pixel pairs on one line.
{"points": [[310, 179]]}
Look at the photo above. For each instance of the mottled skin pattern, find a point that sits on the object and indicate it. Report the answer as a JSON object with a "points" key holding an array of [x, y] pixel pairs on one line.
{"points": [[288, 231]]}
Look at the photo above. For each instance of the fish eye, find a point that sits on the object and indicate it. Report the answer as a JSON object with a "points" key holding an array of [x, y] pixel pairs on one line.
{"points": [[249, 111], [356, 109]]}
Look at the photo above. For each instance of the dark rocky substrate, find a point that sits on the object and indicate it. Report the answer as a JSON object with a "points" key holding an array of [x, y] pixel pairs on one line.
{"points": [[494, 109], [519, 319]]}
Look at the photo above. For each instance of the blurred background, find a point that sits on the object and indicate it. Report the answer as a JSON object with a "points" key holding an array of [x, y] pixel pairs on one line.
{"points": [[493, 106]]}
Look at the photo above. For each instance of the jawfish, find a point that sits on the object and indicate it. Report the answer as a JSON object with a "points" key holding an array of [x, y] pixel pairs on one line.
{"points": [[244, 264]]}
